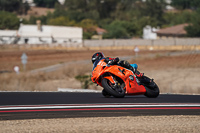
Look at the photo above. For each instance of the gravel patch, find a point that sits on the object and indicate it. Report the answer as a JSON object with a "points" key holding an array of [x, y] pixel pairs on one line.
{"points": [[128, 124]]}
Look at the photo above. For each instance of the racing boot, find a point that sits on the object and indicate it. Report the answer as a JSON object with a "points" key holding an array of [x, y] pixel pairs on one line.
{"points": [[152, 84]]}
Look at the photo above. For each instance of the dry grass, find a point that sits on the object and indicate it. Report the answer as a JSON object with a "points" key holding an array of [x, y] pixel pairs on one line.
{"points": [[63, 78], [182, 80], [173, 74]]}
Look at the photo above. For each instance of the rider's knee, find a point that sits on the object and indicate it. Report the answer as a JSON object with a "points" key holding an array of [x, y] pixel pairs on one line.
{"points": [[124, 63]]}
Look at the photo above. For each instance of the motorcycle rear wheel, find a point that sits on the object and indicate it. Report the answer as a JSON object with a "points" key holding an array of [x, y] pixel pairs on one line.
{"points": [[118, 93], [152, 90]]}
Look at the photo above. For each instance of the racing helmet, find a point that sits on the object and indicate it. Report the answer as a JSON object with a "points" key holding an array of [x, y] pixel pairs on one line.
{"points": [[97, 56]]}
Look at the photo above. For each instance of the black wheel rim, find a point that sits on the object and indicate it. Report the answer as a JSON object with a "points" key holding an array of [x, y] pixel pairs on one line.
{"points": [[116, 88]]}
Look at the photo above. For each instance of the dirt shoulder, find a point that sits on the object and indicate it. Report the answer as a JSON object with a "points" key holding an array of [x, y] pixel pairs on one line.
{"points": [[128, 124]]}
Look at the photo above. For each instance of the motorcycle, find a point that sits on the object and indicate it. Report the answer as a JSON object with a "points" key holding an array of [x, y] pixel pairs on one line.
{"points": [[118, 81]]}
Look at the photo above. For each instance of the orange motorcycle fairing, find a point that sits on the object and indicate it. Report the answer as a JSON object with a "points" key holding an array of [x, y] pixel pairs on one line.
{"points": [[98, 71], [111, 72], [132, 88], [110, 78]]}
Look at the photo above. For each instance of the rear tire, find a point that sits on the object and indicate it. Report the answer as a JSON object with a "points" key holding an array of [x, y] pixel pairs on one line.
{"points": [[116, 92], [152, 90]]}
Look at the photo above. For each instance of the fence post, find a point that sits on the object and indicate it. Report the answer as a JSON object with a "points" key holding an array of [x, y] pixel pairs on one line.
{"points": [[175, 41], [152, 42], [83, 43]]}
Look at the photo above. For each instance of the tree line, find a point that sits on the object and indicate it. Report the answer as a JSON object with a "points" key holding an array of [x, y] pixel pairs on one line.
{"points": [[121, 18]]}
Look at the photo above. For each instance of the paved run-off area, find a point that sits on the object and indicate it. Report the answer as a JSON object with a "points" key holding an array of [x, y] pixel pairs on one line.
{"points": [[128, 124]]}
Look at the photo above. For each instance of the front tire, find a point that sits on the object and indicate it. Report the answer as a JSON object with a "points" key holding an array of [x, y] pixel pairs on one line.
{"points": [[116, 91], [105, 93]]}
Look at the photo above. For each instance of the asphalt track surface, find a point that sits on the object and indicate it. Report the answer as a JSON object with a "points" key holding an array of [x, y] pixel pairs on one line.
{"points": [[34, 105]]}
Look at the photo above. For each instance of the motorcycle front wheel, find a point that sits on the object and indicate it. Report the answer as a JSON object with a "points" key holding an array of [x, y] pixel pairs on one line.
{"points": [[116, 91]]}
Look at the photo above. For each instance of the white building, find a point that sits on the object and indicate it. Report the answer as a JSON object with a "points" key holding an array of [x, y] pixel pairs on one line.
{"points": [[8, 36], [149, 32], [61, 1], [42, 34], [168, 6], [45, 34], [31, 2]]}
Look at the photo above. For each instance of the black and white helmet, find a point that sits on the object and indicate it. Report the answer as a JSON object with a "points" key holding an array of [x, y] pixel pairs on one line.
{"points": [[97, 56]]}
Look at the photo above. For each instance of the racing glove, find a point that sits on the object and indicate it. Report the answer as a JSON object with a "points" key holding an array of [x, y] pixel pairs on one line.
{"points": [[113, 61]]}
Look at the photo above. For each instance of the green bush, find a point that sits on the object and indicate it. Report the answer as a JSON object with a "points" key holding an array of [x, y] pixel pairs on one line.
{"points": [[85, 80], [8, 20], [193, 30]]}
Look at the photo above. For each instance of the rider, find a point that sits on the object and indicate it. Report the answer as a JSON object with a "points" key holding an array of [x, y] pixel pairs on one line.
{"points": [[114, 61]]}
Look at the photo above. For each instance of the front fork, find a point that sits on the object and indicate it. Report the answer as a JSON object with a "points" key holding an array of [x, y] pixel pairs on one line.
{"points": [[114, 83], [111, 79]]}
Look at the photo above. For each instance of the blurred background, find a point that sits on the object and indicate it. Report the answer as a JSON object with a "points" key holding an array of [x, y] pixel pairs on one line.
{"points": [[46, 45]]}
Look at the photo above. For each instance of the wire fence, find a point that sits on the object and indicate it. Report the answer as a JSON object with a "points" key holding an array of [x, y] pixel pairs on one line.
{"points": [[141, 42]]}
